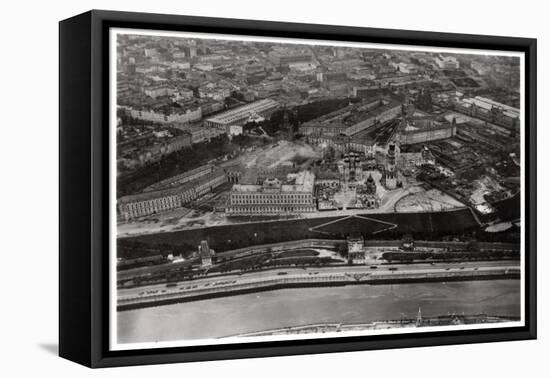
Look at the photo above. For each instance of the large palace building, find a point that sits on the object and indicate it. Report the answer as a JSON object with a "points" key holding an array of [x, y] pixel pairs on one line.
{"points": [[273, 197]]}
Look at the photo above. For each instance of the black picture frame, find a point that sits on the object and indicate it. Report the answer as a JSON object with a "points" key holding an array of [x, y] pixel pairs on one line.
{"points": [[84, 179]]}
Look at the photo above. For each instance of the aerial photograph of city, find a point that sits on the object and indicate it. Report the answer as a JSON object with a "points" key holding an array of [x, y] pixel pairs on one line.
{"points": [[276, 189]]}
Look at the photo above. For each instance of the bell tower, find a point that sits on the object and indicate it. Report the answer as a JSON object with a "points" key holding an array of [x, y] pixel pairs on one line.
{"points": [[390, 174]]}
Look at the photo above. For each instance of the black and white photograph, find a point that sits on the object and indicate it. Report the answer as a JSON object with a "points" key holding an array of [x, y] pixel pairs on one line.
{"points": [[278, 189], [281, 189]]}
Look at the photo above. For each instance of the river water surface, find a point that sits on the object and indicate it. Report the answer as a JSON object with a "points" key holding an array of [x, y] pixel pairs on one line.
{"points": [[239, 314]]}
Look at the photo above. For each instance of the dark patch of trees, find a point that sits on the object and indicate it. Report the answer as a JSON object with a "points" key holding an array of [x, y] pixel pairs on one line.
{"points": [[303, 113], [173, 164], [130, 248]]}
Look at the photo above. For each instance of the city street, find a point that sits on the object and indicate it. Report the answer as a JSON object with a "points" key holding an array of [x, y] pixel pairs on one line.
{"points": [[233, 279]]}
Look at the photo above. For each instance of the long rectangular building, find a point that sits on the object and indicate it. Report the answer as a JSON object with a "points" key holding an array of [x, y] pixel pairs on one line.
{"points": [[158, 201], [490, 111], [353, 119], [182, 178], [273, 197], [242, 114], [180, 116], [379, 115], [424, 130]]}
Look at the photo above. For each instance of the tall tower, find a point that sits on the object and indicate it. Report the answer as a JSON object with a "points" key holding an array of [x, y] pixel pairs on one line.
{"points": [[370, 185], [352, 162], [419, 317], [390, 174]]}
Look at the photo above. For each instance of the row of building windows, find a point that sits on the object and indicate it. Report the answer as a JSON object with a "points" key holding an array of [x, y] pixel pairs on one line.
{"points": [[271, 196], [142, 208], [136, 209], [269, 209], [497, 116], [262, 201]]}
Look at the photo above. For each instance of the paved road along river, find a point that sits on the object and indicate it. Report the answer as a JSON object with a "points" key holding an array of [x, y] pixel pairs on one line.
{"points": [[227, 316]]}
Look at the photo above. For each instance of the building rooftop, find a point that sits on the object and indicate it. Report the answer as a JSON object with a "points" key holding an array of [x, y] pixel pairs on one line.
{"points": [[352, 114], [303, 182], [170, 180], [145, 196], [488, 104], [243, 111]]}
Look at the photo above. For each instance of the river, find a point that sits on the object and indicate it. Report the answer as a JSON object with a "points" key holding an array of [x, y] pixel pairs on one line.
{"points": [[227, 316]]}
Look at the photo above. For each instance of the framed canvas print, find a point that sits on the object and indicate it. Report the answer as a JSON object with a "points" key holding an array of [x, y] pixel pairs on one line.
{"points": [[234, 188]]}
